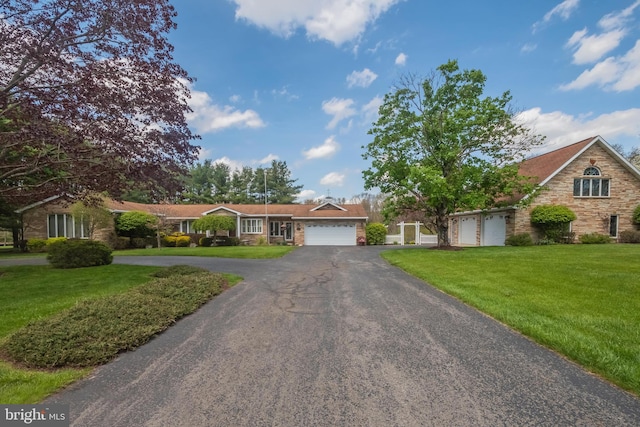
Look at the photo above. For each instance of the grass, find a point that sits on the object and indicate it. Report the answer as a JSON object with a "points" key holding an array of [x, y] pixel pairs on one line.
{"points": [[580, 300], [244, 252], [10, 252], [40, 295]]}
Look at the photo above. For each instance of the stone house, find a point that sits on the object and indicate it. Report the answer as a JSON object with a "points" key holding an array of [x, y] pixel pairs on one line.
{"points": [[326, 223], [598, 184]]}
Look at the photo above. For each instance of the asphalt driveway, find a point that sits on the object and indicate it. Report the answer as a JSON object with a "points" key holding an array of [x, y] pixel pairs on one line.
{"points": [[334, 336]]}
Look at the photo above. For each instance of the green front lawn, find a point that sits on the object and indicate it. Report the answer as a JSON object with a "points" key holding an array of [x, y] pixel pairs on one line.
{"points": [[244, 252], [580, 300]]}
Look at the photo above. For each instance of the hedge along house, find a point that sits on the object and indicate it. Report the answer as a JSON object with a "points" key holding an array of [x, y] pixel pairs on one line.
{"points": [[589, 177], [319, 224]]}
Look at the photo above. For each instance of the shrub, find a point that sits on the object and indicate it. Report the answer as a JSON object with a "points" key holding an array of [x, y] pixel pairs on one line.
{"points": [[636, 215], [227, 241], [521, 239], [595, 238], [78, 253], [52, 240], [262, 241], [183, 241], [553, 221], [36, 245], [629, 236], [94, 332], [205, 242], [376, 233]]}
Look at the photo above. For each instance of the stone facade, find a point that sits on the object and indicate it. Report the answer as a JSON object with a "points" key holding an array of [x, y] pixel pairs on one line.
{"points": [[593, 213]]}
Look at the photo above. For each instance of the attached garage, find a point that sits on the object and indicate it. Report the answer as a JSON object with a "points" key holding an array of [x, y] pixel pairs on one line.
{"points": [[494, 230], [467, 231], [328, 234]]}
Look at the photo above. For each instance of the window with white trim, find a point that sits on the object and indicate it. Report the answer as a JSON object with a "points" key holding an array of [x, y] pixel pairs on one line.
{"points": [[591, 184], [65, 225], [186, 226], [251, 226]]}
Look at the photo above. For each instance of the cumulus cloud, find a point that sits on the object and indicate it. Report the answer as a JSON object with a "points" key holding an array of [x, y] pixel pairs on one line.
{"points": [[340, 109], [333, 179], [233, 164], [362, 78], [305, 195], [563, 10], [401, 59], [208, 117], [337, 21], [324, 151], [562, 129]]}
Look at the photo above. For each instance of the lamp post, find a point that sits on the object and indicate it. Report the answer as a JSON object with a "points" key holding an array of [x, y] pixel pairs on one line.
{"points": [[266, 212]]}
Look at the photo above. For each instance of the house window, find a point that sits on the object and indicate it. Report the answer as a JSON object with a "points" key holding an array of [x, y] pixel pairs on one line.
{"points": [[187, 226], [65, 225], [591, 185], [251, 226], [613, 226]]}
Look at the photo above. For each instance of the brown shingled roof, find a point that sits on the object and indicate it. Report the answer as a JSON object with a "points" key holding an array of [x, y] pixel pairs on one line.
{"points": [[543, 166], [196, 211]]}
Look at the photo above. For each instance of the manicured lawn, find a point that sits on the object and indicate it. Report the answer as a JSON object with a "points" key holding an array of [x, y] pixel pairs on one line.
{"points": [[9, 252], [29, 293], [580, 300], [244, 252]]}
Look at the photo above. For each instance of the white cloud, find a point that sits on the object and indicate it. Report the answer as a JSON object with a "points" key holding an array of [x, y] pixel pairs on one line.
{"points": [[337, 21], [305, 195], [562, 129], [340, 109], [563, 10], [284, 93], [333, 179], [370, 110], [401, 59], [362, 78], [208, 117], [204, 153], [592, 48], [601, 74], [266, 160], [235, 99], [614, 73], [324, 151], [617, 19], [233, 164]]}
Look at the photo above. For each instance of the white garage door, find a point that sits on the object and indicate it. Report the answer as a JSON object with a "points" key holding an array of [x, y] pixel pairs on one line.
{"points": [[329, 234], [494, 230], [467, 230]]}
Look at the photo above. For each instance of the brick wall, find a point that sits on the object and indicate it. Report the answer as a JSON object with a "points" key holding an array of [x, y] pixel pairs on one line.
{"points": [[592, 213]]}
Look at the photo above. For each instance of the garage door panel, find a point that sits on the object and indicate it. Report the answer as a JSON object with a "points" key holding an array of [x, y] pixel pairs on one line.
{"points": [[494, 230], [330, 235], [467, 230]]}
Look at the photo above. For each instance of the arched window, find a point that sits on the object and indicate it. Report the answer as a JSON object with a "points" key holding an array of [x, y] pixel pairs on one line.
{"points": [[592, 170], [589, 185]]}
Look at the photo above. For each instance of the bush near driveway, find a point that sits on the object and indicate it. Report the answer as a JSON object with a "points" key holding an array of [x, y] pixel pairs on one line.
{"points": [[94, 332], [78, 253]]}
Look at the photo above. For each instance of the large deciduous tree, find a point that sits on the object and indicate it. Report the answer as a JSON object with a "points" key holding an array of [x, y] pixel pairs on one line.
{"points": [[90, 98], [440, 145]]}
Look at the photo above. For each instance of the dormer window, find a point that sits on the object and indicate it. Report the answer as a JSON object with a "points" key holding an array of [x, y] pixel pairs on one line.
{"points": [[591, 185]]}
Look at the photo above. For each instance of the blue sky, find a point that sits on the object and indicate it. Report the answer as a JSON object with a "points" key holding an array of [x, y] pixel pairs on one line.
{"points": [[301, 80]]}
